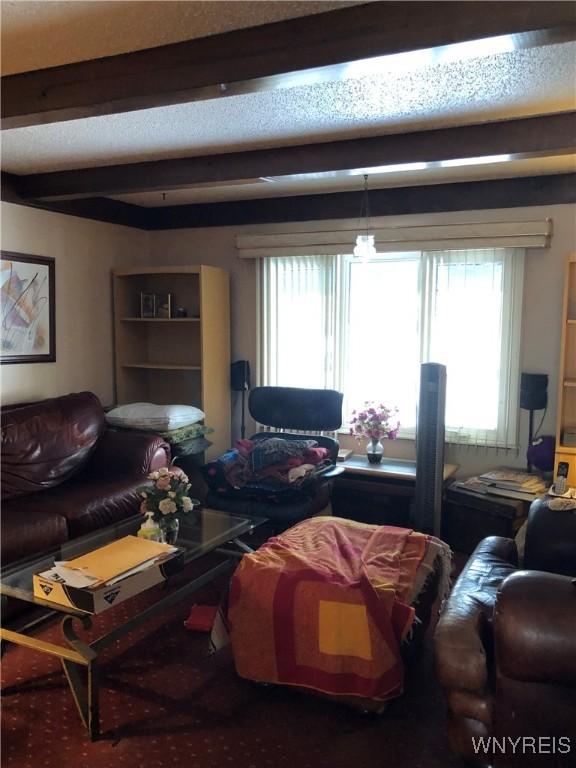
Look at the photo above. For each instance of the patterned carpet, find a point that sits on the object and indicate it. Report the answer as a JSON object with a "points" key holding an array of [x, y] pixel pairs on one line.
{"points": [[166, 703]]}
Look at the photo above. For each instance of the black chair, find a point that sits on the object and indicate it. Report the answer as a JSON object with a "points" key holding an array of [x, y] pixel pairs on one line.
{"points": [[293, 411]]}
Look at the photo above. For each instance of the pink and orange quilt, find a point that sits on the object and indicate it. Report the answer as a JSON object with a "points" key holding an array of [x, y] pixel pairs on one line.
{"points": [[326, 605]]}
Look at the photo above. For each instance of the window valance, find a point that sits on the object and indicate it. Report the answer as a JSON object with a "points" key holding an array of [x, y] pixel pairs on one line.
{"points": [[429, 237]]}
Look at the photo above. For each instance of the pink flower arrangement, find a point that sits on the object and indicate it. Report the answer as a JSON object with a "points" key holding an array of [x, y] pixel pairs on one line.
{"points": [[167, 496], [375, 421]]}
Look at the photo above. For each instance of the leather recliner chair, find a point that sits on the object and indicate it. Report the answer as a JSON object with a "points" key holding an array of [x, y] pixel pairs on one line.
{"points": [[505, 648]]}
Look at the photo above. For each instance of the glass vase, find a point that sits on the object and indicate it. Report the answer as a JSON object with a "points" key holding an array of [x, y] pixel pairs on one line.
{"points": [[170, 527], [374, 450]]}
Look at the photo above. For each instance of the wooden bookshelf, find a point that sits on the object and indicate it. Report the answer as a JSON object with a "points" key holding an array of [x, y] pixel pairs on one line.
{"points": [[176, 360], [566, 416]]}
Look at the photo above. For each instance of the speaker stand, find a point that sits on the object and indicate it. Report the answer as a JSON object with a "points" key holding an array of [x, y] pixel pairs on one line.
{"points": [[530, 437], [243, 418]]}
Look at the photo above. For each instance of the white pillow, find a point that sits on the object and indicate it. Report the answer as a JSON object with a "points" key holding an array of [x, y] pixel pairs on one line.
{"points": [[150, 416]]}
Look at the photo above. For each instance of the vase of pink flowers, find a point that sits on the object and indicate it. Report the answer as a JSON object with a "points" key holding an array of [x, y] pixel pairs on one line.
{"points": [[376, 422], [166, 499]]}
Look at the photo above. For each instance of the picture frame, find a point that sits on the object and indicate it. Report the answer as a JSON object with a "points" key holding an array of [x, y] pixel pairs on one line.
{"points": [[28, 308], [147, 304], [163, 305]]}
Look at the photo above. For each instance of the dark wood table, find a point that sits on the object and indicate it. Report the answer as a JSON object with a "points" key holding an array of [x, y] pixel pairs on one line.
{"points": [[469, 517], [380, 494]]}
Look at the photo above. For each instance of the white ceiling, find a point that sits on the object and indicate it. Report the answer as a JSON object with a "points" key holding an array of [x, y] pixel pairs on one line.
{"points": [[468, 83]]}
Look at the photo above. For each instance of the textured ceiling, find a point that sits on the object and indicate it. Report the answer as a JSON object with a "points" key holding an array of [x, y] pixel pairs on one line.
{"points": [[456, 85], [516, 83], [39, 34]]}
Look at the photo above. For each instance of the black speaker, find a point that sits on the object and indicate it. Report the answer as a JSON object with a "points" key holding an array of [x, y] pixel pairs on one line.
{"points": [[240, 376], [533, 391]]}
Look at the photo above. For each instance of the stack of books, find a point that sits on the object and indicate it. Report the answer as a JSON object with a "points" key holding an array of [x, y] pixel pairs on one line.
{"points": [[510, 483]]}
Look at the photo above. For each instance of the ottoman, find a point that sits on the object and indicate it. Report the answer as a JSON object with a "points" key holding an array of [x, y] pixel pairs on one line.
{"points": [[336, 607]]}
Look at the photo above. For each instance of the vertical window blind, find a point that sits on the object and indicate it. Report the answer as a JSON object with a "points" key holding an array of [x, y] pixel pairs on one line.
{"points": [[364, 327]]}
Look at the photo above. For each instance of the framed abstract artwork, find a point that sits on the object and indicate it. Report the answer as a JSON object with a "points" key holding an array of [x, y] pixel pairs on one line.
{"points": [[27, 309]]}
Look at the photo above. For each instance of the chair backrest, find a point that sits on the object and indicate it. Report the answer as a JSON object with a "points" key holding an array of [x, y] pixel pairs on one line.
{"points": [[47, 442], [293, 408], [550, 540]]}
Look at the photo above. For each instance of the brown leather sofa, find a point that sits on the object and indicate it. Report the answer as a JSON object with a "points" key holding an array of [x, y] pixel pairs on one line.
{"points": [[65, 474], [505, 648]]}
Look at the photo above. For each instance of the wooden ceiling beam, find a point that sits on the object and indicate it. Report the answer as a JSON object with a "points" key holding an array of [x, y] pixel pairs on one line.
{"points": [[534, 136], [396, 201], [96, 208], [207, 67], [435, 198]]}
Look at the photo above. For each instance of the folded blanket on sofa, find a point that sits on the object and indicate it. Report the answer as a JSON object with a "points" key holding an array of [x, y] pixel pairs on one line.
{"points": [[326, 605]]}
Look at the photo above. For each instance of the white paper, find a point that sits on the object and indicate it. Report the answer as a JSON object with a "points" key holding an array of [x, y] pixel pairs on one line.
{"points": [[72, 577]]}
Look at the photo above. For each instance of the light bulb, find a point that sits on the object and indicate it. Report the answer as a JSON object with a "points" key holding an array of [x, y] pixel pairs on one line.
{"points": [[365, 247]]}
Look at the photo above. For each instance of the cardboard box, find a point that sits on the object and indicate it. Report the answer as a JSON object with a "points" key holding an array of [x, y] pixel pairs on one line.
{"points": [[99, 598]]}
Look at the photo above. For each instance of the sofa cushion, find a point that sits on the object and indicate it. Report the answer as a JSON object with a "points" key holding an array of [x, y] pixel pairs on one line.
{"points": [[47, 443], [88, 504], [27, 532]]}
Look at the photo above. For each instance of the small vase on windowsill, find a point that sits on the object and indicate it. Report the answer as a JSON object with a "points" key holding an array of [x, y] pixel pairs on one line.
{"points": [[374, 450]]}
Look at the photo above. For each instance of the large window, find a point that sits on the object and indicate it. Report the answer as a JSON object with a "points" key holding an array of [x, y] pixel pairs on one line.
{"points": [[364, 327]]}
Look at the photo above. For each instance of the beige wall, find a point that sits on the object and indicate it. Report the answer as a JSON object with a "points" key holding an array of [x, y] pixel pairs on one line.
{"points": [[541, 313], [85, 252]]}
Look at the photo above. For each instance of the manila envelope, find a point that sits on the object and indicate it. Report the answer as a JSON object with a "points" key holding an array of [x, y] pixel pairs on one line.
{"points": [[119, 556]]}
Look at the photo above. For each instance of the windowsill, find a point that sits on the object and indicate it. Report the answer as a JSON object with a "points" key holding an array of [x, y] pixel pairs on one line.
{"points": [[401, 448]]}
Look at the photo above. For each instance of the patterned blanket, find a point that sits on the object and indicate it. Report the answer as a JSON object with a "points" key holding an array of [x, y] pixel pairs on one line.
{"points": [[265, 466], [326, 605]]}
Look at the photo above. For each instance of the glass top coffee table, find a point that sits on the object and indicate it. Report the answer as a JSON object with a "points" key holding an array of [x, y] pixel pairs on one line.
{"points": [[202, 532]]}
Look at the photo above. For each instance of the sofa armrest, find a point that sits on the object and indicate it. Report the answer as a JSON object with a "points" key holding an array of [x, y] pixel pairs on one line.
{"points": [[550, 539], [461, 634], [535, 628], [128, 453]]}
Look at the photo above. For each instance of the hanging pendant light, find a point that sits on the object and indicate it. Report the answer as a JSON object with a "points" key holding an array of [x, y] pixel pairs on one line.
{"points": [[365, 247]]}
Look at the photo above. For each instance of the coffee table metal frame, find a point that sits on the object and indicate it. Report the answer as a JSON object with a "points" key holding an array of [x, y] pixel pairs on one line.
{"points": [[80, 659]]}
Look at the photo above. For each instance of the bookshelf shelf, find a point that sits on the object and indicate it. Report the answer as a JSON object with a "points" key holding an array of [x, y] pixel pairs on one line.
{"points": [[162, 366], [160, 319]]}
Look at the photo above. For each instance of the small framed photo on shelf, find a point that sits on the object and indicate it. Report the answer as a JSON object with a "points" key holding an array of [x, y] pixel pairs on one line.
{"points": [[147, 304], [163, 305]]}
